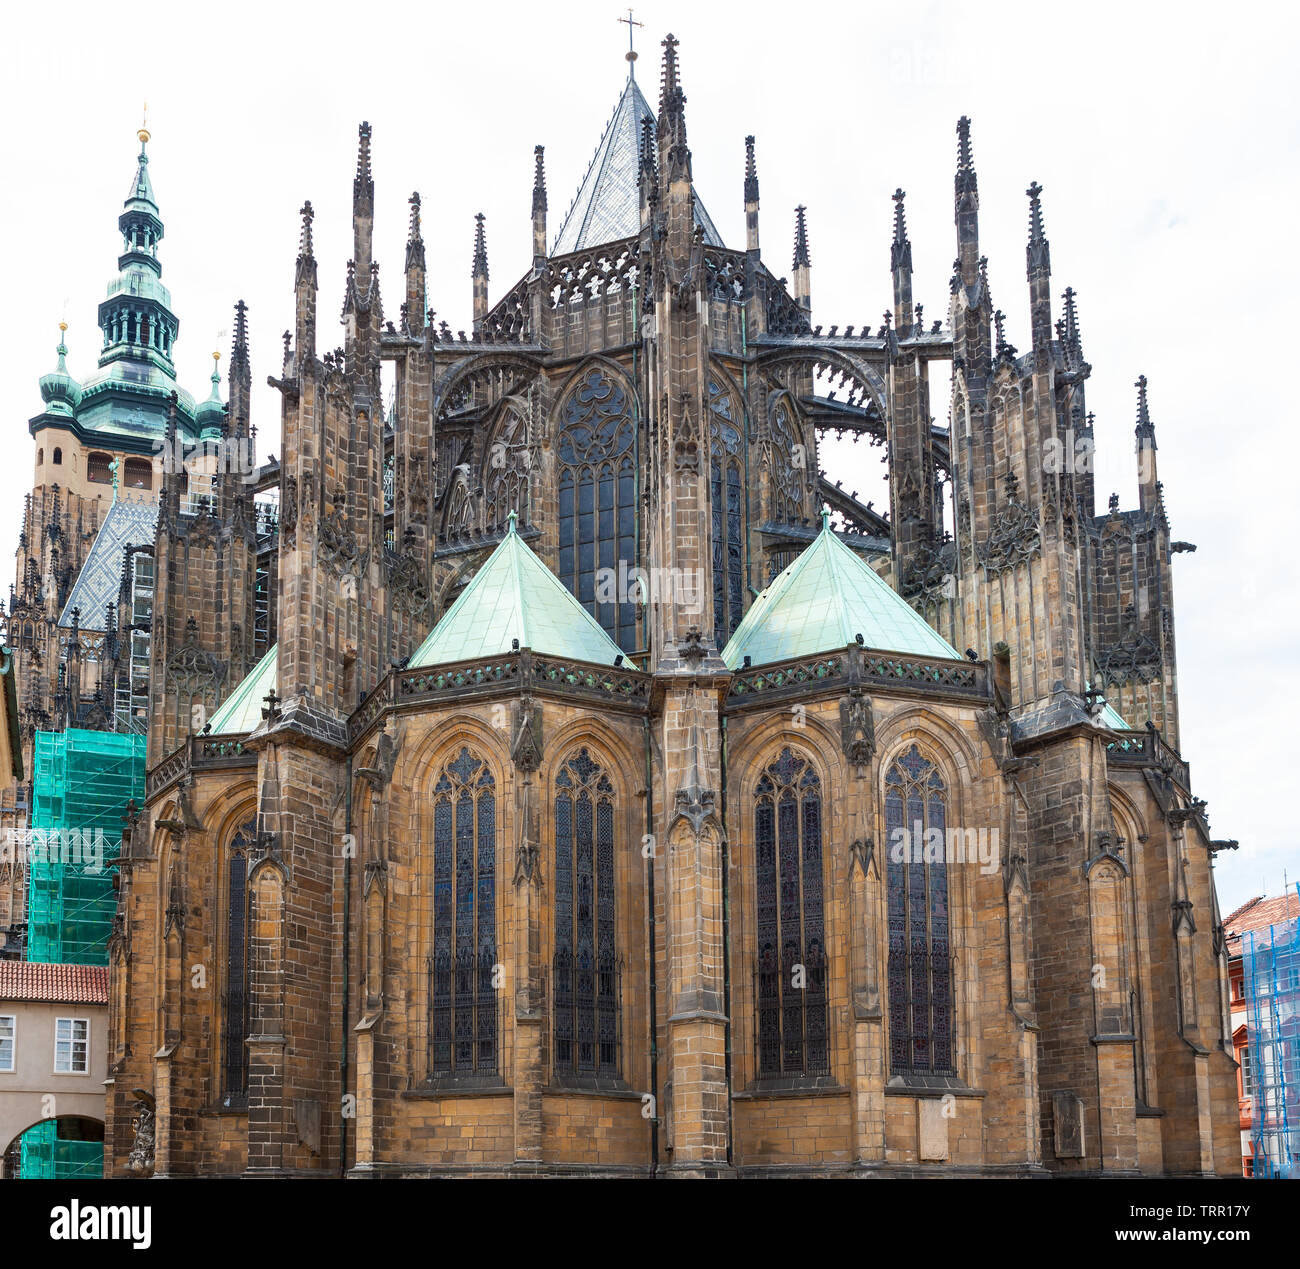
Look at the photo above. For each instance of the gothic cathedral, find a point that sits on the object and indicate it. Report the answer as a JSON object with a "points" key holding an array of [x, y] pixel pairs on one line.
{"points": [[571, 777]]}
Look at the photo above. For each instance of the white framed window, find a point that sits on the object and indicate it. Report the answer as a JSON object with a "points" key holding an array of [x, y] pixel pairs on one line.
{"points": [[8, 1036], [71, 1046], [1247, 1071]]}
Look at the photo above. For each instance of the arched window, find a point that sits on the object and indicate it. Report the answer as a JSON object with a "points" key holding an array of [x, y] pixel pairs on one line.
{"points": [[791, 978], [597, 460], [58, 456], [790, 465], [727, 498], [586, 967], [99, 468], [40, 456], [920, 964], [139, 473], [462, 997], [509, 460], [234, 1049]]}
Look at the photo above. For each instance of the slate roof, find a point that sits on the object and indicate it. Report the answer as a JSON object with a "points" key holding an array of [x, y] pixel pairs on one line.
{"points": [[58, 984], [128, 523], [823, 601], [607, 206], [515, 596]]}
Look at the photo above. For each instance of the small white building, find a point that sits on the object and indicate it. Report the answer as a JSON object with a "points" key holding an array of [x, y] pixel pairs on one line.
{"points": [[53, 1050]]}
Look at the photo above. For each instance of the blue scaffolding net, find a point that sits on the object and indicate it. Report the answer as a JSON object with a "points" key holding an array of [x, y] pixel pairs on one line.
{"points": [[1271, 979]]}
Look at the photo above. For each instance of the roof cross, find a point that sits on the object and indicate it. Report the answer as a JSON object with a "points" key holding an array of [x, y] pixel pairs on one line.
{"points": [[629, 22]]}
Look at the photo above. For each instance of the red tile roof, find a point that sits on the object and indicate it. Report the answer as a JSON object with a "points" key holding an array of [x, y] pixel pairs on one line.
{"points": [[60, 984], [1259, 914]]}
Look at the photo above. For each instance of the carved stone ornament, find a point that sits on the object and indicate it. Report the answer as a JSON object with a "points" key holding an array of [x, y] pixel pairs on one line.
{"points": [[140, 1161], [857, 728], [1014, 538], [697, 805], [690, 647], [527, 859], [526, 745], [192, 670], [862, 854], [1135, 660]]}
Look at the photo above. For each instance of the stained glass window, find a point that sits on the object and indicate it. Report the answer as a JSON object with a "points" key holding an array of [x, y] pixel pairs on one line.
{"points": [[727, 500], [234, 1058], [462, 997], [791, 975], [597, 496], [585, 966], [920, 959]]}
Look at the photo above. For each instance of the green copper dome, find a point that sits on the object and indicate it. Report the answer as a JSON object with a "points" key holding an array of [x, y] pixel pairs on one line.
{"points": [[824, 600], [514, 596], [59, 390], [209, 417]]}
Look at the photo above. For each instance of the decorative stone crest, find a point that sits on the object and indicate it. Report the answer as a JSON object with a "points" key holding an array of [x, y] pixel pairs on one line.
{"points": [[526, 744], [857, 728], [1015, 536]]}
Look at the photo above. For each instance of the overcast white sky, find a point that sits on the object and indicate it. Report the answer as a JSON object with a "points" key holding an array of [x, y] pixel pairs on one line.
{"points": [[1165, 137]]}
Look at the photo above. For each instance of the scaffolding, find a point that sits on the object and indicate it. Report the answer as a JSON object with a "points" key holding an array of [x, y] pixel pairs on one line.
{"points": [[48, 1156], [1271, 979], [83, 781]]}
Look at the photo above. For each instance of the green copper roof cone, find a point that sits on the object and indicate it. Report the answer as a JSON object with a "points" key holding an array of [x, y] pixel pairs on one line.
{"points": [[514, 596], [241, 711], [824, 600]]}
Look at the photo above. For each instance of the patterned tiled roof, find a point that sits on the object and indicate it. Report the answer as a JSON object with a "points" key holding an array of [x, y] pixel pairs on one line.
{"points": [[128, 523], [608, 205], [1258, 914], [58, 984]]}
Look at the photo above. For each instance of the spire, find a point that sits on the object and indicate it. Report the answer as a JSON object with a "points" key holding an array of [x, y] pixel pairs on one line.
{"points": [[305, 286], [136, 318], [1149, 488], [1070, 338], [539, 205], [363, 216], [413, 310], [674, 155], [480, 272], [237, 413], [751, 197], [414, 240], [966, 206], [802, 260], [363, 185], [1039, 271], [900, 262]]}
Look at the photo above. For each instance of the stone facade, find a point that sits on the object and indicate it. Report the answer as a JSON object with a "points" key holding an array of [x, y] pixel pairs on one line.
{"points": [[1080, 975]]}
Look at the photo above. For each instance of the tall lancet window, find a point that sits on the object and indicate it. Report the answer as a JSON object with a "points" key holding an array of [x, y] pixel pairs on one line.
{"points": [[586, 965], [791, 929], [234, 1048], [462, 996], [920, 960], [597, 487], [727, 500]]}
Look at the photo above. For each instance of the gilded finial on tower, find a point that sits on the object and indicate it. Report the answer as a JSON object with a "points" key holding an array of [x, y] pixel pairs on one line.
{"points": [[143, 132]]}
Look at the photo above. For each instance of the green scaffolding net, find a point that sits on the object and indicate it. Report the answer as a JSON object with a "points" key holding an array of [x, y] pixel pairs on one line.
{"points": [[48, 1156], [82, 783]]}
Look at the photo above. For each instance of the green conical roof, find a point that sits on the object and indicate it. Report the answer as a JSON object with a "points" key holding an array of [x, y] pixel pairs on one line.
{"points": [[241, 711], [515, 596], [823, 601]]}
